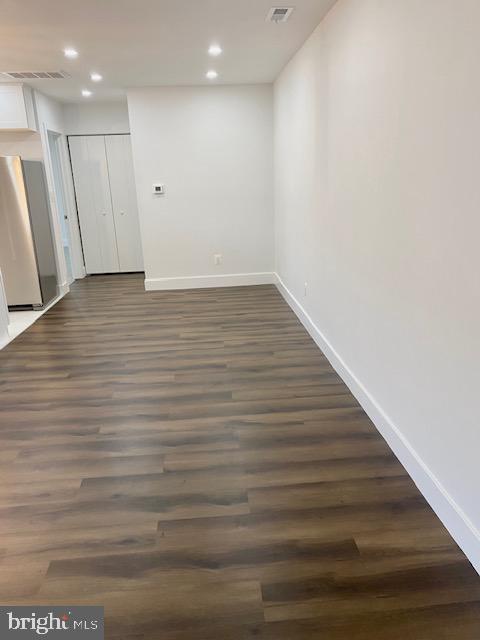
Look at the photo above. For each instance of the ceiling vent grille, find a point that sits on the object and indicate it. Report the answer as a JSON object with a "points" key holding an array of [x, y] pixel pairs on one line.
{"points": [[36, 75], [279, 14]]}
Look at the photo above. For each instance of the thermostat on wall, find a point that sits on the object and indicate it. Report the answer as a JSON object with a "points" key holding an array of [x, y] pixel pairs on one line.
{"points": [[159, 189]]}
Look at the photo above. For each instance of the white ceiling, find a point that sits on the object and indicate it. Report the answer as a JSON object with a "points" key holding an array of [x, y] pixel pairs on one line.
{"points": [[149, 42]]}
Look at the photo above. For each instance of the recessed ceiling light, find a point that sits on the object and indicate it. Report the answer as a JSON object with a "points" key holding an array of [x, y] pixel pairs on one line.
{"points": [[215, 50], [70, 53], [96, 77], [212, 74], [86, 93]]}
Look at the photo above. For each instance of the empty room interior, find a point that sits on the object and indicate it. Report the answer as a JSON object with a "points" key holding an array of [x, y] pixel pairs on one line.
{"points": [[240, 319]]}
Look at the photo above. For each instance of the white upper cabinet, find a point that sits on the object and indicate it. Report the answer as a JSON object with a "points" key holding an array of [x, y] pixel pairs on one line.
{"points": [[17, 111]]}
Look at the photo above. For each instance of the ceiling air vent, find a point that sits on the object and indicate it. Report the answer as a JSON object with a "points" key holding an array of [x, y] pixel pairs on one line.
{"points": [[279, 14], [36, 75]]}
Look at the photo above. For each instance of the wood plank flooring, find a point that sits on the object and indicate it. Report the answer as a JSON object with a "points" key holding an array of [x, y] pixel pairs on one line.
{"points": [[191, 461]]}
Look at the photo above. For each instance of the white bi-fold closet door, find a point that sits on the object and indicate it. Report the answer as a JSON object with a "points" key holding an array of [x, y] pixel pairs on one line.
{"points": [[107, 205]]}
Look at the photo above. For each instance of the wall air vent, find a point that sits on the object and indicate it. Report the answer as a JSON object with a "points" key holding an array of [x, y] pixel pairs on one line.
{"points": [[279, 14], [36, 75]]}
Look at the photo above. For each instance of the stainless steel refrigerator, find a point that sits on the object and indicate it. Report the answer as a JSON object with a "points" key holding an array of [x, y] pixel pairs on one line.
{"points": [[27, 254]]}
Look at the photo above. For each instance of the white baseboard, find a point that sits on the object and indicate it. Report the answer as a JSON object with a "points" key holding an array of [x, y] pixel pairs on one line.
{"points": [[453, 517], [62, 289], [202, 282]]}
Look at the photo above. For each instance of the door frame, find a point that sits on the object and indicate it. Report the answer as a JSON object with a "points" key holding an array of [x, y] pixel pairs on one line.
{"points": [[61, 199], [76, 253]]}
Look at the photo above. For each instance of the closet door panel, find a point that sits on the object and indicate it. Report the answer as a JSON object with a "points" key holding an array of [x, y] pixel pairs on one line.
{"points": [[124, 201], [92, 189]]}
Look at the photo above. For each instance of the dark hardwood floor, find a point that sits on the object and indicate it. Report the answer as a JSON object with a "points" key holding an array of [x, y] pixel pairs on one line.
{"points": [[191, 461]]}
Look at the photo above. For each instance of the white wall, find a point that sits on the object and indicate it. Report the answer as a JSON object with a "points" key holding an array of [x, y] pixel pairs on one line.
{"points": [[212, 148], [96, 118], [49, 112], [377, 155]]}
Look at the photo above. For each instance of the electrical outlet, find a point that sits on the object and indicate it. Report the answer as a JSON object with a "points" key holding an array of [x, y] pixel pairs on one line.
{"points": [[305, 289], [217, 258]]}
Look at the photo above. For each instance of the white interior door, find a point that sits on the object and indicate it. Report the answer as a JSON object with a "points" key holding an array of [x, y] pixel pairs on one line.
{"points": [[92, 189], [60, 199], [124, 202]]}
